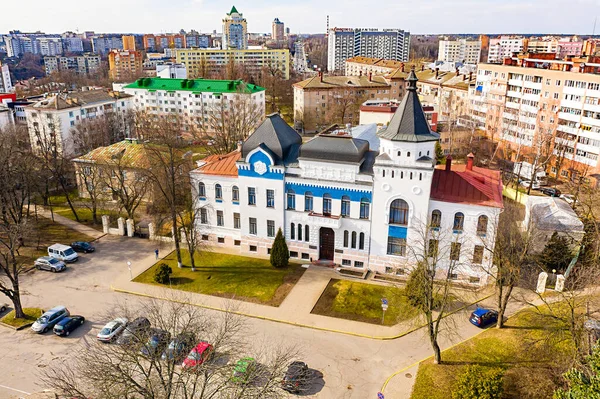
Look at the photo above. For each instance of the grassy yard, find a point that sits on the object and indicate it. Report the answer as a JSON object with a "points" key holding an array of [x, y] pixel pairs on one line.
{"points": [[532, 350], [353, 300], [248, 279], [45, 232], [31, 315], [85, 215]]}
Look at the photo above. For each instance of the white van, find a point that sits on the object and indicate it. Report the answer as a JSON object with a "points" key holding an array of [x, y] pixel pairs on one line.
{"points": [[63, 252]]}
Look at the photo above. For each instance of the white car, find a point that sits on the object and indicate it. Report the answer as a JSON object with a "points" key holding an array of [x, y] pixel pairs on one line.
{"points": [[570, 198], [526, 183], [112, 329]]}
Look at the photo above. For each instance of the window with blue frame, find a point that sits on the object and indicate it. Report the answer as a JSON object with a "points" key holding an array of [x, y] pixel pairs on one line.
{"points": [[270, 199], [291, 199], [459, 222], [399, 212], [365, 208], [326, 204], [235, 194], [251, 196], [201, 190], [218, 191], [436, 219], [345, 205], [308, 201]]}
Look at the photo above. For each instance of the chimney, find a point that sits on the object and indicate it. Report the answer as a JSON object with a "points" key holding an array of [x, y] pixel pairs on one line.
{"points": [[422, 67], [402, 66], [239, 146], [437, 72], [370, 76], [470, 158], [321, 76], [448, 163]]}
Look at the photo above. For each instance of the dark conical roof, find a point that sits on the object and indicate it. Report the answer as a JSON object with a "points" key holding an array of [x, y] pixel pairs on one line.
{"points": [[233, 10], [276, 135], [409, 122]]}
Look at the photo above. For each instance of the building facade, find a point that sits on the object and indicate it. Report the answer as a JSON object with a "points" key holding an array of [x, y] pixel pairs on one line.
{"points": [[103, 44], [344, 43], [128, 42], [277, 30], [503, 47], [340, 202], [461, 50], [235, 31], [82, 65], [5, 80], [125, 64], [203, 62]]}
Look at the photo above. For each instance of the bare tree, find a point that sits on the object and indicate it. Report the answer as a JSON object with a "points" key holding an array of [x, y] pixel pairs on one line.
{"points": [[101, 131], [188, 215]]}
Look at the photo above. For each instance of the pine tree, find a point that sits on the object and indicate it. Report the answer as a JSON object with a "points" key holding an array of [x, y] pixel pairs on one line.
{"points": [[280, 254], [440, 158], [557, 254]]}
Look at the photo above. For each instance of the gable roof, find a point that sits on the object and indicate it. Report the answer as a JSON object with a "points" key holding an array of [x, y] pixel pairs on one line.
{"points": [[334, 148], [478, 186], [221, 165], [276, 135], [551, 213], [409, 122], [131, 154]]}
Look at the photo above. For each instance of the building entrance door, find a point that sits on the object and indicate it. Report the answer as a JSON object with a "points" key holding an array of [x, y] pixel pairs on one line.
{"points": [[326, 243]]}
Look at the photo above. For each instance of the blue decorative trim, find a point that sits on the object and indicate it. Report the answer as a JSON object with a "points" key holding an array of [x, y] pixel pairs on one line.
{"points": [[218, 200], [235, 202], [249, 171], [202, 198], [397, 231], [335, 192]]}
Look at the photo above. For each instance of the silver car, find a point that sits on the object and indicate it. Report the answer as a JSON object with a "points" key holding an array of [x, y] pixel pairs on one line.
{"points": [[49, 319], [112, 329], [49, 263]]}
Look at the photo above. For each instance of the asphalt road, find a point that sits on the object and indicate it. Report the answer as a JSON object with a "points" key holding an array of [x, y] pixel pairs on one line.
{"points": [[352, 367]]}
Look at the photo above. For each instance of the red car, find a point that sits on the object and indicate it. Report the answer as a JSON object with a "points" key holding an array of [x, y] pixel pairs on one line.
{"points": [[200, 354]]}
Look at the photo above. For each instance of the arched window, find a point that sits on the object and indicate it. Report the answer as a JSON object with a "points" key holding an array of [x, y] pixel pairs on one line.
{"points": [[346, 238], [353, 239], [293, 231], [436, 219], [299, 232], [306, 233], [345, 205], [399, 153], [482, 224], [459, 221], [218, 191], [326, 204], [398, 212], [365, 206], [235, 194], [201, 190], [361, 241], [392, 174], [408, 154], [308, 201], [291, 199]]}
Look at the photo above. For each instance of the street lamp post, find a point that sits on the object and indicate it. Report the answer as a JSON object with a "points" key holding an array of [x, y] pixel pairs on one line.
{"points": [[129, 267]]}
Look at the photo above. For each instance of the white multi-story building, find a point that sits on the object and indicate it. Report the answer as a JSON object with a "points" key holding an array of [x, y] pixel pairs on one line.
{"points": [[171, 70], [338, 201], [50, 120], [5, 81], [18, 43], [503, 47], [344, 43], [461, 50]]}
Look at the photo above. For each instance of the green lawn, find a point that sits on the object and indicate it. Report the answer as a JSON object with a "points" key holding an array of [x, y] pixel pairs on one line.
{"points": [[45, 232], [531, 349], [31, 315], [85, 215], [353, 300], [248, 279]]}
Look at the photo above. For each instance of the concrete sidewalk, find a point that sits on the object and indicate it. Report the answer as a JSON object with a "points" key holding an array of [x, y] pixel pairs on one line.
{"points": [[82, 228]]}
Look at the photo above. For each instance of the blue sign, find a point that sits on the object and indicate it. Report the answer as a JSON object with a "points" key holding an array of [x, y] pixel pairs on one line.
{"points": [[384, 301], [380, 395]]}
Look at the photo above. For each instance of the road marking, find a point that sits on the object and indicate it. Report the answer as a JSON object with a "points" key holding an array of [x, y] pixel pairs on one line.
{"points": [[14, 389]]}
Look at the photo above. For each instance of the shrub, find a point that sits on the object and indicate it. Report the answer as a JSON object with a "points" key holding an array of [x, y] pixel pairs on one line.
{"points": [[478, 382], [419, 289], [280, 255], [161, 275]]}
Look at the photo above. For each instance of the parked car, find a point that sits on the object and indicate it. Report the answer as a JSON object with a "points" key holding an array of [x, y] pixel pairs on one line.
{"points": [[112, 329], [200, 354], [483, 317], [135, 331], [526, 183], [49, 319], [296, 377], [179, 347], [68, 324], [63, 252], [570, 198], [49, 263], [552, 192], [3, 307], [157, 341], [244, 370], [82, 246]]}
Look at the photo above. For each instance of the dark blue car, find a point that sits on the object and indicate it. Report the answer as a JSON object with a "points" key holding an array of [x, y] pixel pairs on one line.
{"points": [[483, 317]]}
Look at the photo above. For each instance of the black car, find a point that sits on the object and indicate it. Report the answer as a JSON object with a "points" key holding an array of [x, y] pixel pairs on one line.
{"points": [[82, 246], [179, 348], [296, 377], [135, 332], [157, 340], [68, 324], [552, 192]]}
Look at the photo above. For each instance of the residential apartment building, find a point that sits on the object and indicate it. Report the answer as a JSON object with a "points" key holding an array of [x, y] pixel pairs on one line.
{"points": [[344, 43], [194, 39], [277, 30], [103, 44], [503, 47], [530, 109], [235, 31], [82, 64], [164, 41], [128, 42], [125, 64], [72, 43], [171, 71], [341, 201], [570, 47], [38, 43], [357, 66], [204, 62], [195, 100], [5, 81], [50, 119], [460, 50]]}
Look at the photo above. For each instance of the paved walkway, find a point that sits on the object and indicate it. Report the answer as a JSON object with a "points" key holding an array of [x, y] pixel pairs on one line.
{"points": [[82, 228]]}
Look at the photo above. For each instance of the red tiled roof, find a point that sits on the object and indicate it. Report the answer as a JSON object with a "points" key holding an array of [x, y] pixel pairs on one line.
{"points": [[479, 186], [222, 165]]}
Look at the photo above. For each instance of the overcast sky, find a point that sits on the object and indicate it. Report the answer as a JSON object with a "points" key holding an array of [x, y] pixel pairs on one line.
{"points": [[306, 16]]}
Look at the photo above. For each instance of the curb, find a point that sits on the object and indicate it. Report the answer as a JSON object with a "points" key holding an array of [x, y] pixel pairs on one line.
{"points": [[24, 326], [381, 338]]}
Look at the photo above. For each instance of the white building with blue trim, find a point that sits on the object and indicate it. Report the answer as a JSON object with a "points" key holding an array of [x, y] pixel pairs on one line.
{"points": [[341, 202]]}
